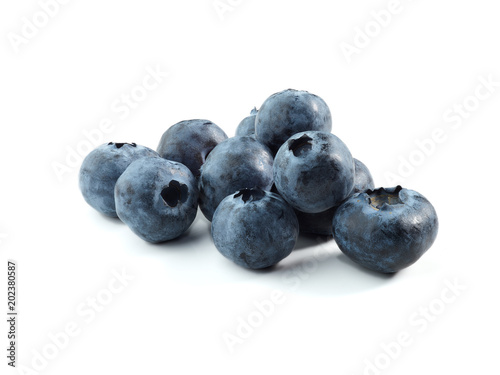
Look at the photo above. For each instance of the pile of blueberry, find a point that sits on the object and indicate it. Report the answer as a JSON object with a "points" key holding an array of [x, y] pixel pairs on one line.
{"points": [[282, 173]]}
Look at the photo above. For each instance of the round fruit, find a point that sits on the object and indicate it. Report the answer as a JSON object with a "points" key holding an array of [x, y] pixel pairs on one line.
{"points": [[157, 199], [386, 229], [102, 167], [290, 112], [314, 171], [189, 142], [254, 228], [247, 125], [237, 163]]}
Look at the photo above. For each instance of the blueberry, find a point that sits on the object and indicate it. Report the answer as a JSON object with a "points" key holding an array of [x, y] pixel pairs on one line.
{"points": [[157, 199], [363, 179], [314, 171], [254, 228], [102, 167], [236, 163], [189, 142], [247, 125], [290, 112], [321, 223], [386, 229]]}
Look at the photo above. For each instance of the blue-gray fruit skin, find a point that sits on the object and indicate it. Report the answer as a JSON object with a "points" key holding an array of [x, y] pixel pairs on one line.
{"points": [[101, 168], [321, 223], [254, 228], [386, 229], [157, 199], [247, 125], [314, 171], [236, 163], [363, 179], [189, 142], [290, 112]]}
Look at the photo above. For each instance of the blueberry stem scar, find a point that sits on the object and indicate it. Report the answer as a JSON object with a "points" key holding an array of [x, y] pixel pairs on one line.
{"points": [[174, 193], [300, 145], [379, 197], [120, 145], [250, 194]]}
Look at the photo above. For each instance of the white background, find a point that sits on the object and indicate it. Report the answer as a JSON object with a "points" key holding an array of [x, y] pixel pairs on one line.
{"points": [[171, 318]]}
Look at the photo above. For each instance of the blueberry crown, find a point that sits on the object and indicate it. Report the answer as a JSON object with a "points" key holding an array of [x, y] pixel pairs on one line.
{"points": [[390, 196], [120, 145]]}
